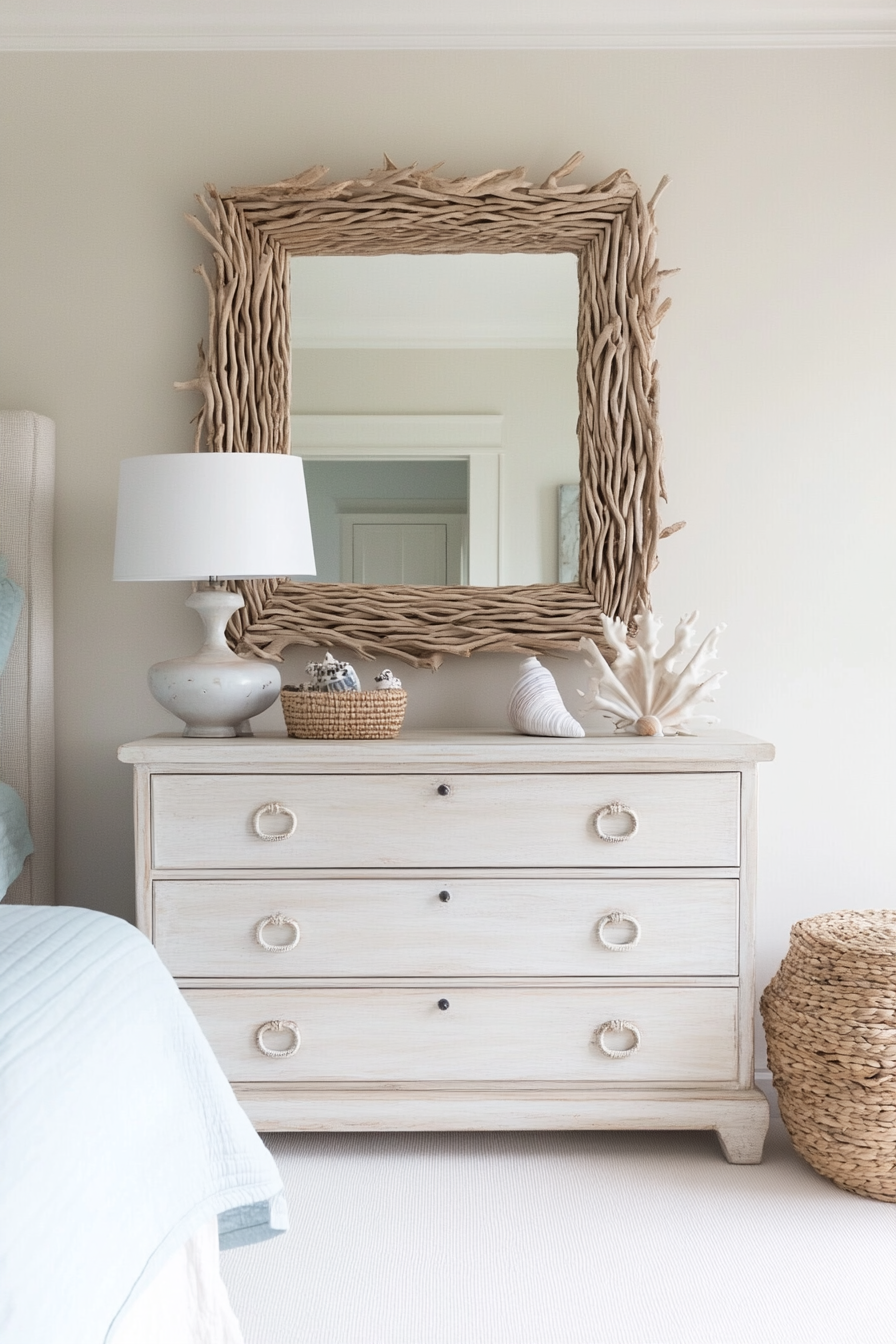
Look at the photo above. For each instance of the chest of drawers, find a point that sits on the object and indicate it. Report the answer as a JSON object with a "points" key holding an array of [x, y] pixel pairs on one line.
{"points": [[458, 931]]}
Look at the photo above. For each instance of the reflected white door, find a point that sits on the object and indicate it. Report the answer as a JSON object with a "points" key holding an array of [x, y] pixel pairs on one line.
{"points": [[422, 550]]}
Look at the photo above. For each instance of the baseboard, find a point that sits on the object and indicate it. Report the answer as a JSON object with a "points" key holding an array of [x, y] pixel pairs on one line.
{"points": [[764, 1082]]}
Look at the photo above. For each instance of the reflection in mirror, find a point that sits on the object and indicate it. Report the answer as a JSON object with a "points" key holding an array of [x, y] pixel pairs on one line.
{"points": [[568, 533], [437, 335], [385, 521]]}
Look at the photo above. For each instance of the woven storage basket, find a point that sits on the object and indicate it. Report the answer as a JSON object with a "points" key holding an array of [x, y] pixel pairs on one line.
{"points": [[830, 1020], [343, 714]]}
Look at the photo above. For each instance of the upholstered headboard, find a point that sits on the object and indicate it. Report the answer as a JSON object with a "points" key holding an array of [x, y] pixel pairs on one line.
{"points": [[27, 742]]}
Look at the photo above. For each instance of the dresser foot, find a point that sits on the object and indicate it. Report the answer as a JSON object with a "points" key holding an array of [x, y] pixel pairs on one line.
{"points": [[742, 1142]]}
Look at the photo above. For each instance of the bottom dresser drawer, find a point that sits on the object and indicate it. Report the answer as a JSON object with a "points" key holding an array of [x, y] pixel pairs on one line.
{"points": [[471, 1034]]}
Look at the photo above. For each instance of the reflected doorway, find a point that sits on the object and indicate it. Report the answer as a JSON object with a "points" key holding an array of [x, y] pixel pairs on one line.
{"points": [[389, 521]]}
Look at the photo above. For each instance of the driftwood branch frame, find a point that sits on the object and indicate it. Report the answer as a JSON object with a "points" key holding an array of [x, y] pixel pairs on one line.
{"points": [[244, 379]]}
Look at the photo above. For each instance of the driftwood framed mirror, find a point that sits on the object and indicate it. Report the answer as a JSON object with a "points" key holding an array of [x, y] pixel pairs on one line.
{"points": [[245, 380]]}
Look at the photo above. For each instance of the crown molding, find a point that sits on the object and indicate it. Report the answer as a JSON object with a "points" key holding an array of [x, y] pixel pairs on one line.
{"points": [[371, 25]]}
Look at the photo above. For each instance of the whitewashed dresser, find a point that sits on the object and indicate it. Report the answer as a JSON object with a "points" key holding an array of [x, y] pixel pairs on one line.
{"points": [[459, 931]]}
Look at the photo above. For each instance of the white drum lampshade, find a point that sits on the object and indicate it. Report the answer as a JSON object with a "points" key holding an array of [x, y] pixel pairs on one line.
{"points": [[213, 516]]}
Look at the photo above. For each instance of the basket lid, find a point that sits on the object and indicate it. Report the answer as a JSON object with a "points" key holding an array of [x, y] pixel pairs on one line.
{"points": [[846, 945], [860, 931]]}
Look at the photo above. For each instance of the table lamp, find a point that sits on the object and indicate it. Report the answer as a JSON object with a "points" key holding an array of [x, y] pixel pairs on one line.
{"points": [[211, 517]]}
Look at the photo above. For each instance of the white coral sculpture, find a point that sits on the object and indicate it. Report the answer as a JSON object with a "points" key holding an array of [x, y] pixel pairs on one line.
{"points": [[647, 693]]}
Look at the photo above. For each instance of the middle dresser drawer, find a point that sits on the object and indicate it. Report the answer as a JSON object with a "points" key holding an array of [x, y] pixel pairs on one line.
{"points": [[465, 926], [426, 821]]}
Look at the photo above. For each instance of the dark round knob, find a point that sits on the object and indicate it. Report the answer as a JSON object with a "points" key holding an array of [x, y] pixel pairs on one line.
{"points": [[444, 895], [443, 790], [444, 1004]]}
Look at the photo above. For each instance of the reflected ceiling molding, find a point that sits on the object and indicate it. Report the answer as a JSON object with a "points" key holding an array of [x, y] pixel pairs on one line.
{"points": [[379, 433]]}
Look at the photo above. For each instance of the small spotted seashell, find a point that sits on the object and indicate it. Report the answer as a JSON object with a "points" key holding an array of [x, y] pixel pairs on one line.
{"points": [[331, 675], [649, 726]]}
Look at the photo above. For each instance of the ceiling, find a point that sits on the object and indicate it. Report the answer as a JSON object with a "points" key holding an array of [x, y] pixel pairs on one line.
{"points": [[275, 25]]}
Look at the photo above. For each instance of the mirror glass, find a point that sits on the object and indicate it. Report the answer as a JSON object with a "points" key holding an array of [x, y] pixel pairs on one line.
{"points": [[435, 405]]}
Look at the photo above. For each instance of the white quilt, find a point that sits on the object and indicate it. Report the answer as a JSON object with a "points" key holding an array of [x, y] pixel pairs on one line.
{"points": [[186, 1303], [119, 1134]]}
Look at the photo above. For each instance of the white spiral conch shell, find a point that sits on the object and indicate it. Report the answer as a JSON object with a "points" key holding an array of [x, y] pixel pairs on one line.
{"points": [[536, 707]]}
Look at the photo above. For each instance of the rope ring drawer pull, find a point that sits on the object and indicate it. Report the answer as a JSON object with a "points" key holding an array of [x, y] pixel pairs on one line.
{"points": [[618, 917], [274, 809], [615, 810], [277, 919], [277, 1025], [617, 1024]]}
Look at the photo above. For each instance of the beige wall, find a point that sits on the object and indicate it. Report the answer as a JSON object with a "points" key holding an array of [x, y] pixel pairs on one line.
{"points": [[777, 362]]}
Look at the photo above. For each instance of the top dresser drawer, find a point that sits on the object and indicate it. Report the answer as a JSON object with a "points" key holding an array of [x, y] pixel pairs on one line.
{"points": [[408, 821]]}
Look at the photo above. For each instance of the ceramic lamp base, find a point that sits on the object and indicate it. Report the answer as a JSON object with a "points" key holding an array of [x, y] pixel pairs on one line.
{"points": [[214, 691]]}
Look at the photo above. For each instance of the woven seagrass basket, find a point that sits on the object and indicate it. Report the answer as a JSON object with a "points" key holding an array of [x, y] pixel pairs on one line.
{"points": [[343, 714], [830, 1020]]}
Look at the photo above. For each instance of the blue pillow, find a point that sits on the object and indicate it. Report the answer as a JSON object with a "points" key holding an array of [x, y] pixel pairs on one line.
{"points": [[15, 838], [11, 599]]}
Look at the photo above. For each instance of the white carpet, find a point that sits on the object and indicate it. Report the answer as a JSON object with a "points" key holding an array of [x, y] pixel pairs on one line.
{"points": [[563, 1238]]}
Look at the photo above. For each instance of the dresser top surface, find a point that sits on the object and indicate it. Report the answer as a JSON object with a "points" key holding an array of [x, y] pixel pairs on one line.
{"points": [[442, 751]]}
